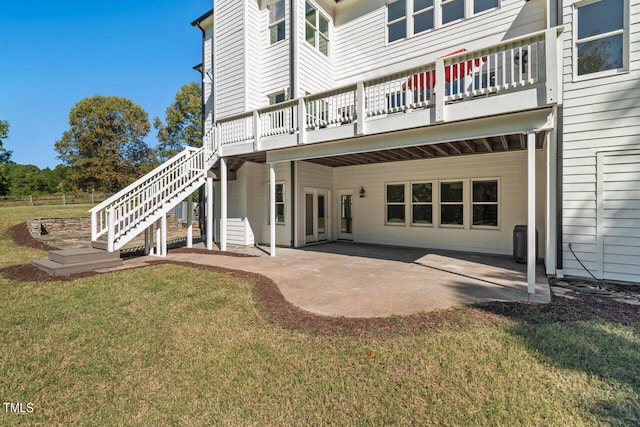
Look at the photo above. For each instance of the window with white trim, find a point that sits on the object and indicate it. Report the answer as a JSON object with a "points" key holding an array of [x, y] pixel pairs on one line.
{"points": [[395, 204], [484, 201], [600, 36], [316, 29], [423, 15], [276, 21], [421, 203], [452, 203], [452, 10], [396, 20]]}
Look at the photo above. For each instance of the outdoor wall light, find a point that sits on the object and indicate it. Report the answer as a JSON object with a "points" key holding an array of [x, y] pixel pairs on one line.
{"points": [[361, 191]]}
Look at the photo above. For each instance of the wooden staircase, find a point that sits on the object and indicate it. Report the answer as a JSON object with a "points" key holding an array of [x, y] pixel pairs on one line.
{"points": [[80, 260]]}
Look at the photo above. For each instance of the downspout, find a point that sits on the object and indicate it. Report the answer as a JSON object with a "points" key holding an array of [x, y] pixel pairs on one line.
{"points": [[556, 20], [201, 204], [293, 89]]}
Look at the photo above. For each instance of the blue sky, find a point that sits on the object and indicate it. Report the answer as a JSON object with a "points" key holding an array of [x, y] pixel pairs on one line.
{"points": [[55, 53]]}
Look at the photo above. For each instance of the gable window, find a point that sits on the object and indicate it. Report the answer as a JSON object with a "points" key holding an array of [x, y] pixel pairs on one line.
{"points": [[316, 29], [485, 203], [451, 203], [600, 36], [276, 21], [395, 204], [421, 203]]}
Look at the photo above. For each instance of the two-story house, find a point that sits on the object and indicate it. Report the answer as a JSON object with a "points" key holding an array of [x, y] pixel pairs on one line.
{"points": [[426, 123]]}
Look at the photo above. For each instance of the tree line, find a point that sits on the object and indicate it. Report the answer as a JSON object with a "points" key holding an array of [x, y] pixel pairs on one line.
{"points": [[104, 148]]}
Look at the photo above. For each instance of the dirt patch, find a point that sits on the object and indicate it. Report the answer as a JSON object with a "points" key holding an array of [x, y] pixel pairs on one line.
{"points": [[22, 236], [29, 273]]}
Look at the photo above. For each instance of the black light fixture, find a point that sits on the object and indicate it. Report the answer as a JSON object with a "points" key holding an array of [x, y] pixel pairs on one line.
{"points": [[361, 191]]}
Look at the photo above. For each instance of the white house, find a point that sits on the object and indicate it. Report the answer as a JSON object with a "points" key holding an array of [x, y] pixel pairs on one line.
{"points": [[425, 123]]}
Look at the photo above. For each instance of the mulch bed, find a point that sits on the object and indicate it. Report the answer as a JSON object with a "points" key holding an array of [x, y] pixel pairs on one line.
{"points": [[280, 312]]}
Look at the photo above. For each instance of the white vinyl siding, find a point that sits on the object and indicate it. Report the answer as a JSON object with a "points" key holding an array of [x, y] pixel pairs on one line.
{"points": [[361, 47], [230, 54], [600, 116], [315, 70]]}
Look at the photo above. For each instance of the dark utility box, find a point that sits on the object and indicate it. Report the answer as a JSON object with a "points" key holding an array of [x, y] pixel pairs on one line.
{"points": [[520, 244]]}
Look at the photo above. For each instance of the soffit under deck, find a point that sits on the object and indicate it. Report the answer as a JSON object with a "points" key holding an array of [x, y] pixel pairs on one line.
{"points": [[494, 144]]}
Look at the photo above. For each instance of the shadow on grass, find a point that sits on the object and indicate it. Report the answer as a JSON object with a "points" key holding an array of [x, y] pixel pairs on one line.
{"points": [[606, 351], [596, 336]]}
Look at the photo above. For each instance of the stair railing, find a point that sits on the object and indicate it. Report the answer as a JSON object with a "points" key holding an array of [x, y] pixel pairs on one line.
{"points": [[130, 207]]}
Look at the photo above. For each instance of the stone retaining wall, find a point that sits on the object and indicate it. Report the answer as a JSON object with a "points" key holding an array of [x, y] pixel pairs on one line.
{"points": [[78, 225]]}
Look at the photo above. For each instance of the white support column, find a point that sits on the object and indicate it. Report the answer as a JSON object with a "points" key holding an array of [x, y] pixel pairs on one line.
{"points": [[223, 204], [209, 213], [163, 246], [150, 250], [190, 221], [551, 228], [302, 121], [272, 210], [158, 240], [531, 215]]}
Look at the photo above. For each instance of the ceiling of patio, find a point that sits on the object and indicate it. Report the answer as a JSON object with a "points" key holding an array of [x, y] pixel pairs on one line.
{"points": [[494, 144]]}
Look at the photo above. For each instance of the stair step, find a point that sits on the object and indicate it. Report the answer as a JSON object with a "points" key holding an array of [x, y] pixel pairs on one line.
{"points": [[79, 255], [100, 244], [53, 268]]}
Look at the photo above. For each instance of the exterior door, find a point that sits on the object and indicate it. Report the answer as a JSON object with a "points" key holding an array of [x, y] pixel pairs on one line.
{"points": [[316, 219], [345, 232]]}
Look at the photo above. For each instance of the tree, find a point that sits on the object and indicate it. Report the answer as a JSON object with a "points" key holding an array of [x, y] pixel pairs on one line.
{"points": [[5, 155], [105, 146], [183, 122]]}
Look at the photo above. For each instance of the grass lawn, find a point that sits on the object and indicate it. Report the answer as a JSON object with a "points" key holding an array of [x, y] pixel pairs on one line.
{"points": [[174, 345]]}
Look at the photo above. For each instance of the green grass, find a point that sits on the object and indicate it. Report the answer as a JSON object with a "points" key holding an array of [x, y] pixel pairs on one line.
{"points": [[172, 345]]}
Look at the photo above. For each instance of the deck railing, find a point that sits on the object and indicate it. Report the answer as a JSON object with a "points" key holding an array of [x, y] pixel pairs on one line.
{"points": [[463, 75]]}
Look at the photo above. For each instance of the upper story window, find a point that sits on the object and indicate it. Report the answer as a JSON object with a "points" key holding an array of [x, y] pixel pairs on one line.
{"points": [[408, 17], [422, 15], [396, 20], [316, 29], [600, 36], [276, 21]]}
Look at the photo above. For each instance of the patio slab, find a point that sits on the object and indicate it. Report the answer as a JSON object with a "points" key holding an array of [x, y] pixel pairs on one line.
{"points": [[359, 280]]}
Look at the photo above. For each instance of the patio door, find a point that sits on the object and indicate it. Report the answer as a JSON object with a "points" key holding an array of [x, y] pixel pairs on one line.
{"points": [[346, 215], [316, 220]]}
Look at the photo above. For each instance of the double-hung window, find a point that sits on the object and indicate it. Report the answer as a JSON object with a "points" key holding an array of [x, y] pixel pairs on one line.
{"points": [[316, 29], [395, 204], [600, 36], [452, 10], [280, 204], [485, 203], [421, 203], [423, 15], [396, 20], [276, 21], [451, 203]]}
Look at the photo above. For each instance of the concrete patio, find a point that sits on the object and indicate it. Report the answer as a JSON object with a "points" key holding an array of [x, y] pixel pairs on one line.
{"points": [[358, 280]]}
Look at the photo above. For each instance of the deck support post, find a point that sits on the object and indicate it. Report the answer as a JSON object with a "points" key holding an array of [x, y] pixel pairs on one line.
{"points": [[158, 239], [209, 213], [531, 213], [272, 210], [163, 236], [190, 221], [552, 186], [223, 204]]}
